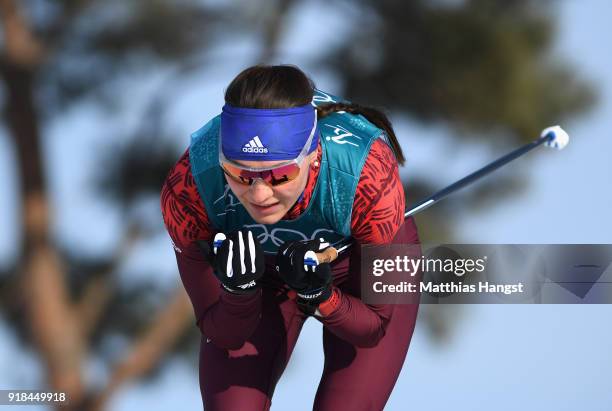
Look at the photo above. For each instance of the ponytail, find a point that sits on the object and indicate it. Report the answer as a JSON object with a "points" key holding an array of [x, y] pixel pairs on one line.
{"points": [[376, 117]]}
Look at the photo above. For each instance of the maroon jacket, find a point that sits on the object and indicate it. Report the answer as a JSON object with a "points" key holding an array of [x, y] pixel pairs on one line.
{"points": [[228, 319]]}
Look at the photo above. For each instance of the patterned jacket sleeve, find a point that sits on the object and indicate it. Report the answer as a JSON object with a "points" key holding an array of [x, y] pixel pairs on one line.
{"points": [[186, 222], [378, 208], [377, 218], [182, 209]]}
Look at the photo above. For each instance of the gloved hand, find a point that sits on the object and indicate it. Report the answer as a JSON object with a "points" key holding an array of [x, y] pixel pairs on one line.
{"points": [[237, 259], [297, 265]]}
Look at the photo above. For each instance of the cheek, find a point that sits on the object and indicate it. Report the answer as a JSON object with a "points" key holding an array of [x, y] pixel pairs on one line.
{"points": [[292, 190], [284, 196]]}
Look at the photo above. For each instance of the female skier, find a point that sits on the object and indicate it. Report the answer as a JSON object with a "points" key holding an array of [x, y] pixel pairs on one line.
{"points": [[284, 171]]}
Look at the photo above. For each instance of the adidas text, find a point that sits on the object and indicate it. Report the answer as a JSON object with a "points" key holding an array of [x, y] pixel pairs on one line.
{"points": [[248, 285], [254, 149]]}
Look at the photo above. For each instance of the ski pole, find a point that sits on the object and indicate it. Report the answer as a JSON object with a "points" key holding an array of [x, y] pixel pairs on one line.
{"points": [[554, 137]]}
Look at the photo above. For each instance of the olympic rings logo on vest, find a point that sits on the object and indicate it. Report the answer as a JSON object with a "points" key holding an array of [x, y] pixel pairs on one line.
{"points": [[266, 235]]}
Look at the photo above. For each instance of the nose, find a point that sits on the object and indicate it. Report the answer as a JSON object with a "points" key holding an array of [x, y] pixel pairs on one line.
{"points": [[260, 191]]}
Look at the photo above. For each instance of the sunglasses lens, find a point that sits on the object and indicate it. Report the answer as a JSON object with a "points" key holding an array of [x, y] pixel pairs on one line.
{"points": [[283, 174], [274, 177], [239, 175]]}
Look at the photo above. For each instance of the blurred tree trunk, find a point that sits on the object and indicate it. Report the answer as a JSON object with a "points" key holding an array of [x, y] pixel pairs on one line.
{"points": [[43, 286], [54, 321]]}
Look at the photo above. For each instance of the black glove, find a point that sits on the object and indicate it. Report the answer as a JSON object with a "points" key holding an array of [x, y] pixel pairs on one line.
{"points": [[297, 265], [237, 259]]}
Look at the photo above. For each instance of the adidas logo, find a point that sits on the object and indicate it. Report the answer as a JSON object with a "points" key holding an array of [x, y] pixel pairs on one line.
{"points": [[254, 146], [248, 285]]}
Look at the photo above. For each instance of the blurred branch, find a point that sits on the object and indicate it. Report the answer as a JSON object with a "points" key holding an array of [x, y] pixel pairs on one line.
{"points": [[52, 320], [64, 23], [92, 303], [99, 290], [22, 48], [273, 28], [480, 66], [163, 332]]}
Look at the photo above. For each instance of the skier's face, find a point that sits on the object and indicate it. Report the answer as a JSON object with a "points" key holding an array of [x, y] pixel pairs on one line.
{"points": [[267, 204]]}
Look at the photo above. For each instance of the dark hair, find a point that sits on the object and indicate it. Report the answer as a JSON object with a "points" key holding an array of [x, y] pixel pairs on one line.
{"points": [[286, 86]]}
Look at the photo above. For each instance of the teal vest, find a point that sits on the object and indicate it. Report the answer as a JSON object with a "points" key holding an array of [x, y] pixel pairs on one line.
{"points": [[345, 141]]}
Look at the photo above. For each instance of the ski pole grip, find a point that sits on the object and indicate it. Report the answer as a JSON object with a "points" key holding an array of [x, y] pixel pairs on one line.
{"points": [[328, 255]]}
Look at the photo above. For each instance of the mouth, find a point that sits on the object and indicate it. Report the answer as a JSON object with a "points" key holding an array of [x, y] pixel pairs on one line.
{"points": [[265, 208]]}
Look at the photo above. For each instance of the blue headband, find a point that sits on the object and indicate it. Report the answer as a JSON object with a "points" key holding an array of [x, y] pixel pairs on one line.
{"points": [[267, 134]]}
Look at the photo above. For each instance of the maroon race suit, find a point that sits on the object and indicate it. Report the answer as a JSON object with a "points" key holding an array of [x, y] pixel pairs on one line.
{"points": [[248, 340]]}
